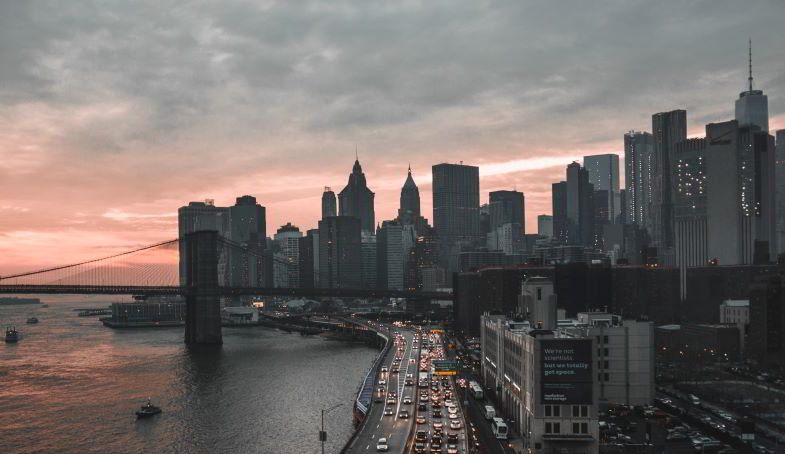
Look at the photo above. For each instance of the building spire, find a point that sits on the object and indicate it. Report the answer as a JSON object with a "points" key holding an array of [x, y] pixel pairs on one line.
{"points": [[750, 79]]}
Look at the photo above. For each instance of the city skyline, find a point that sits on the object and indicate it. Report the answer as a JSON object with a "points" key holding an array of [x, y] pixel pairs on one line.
{"points": [[96, 157]]}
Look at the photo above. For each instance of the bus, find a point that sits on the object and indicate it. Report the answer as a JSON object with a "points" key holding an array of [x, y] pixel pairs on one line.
{"points": [[499, 428], [475, 389]]}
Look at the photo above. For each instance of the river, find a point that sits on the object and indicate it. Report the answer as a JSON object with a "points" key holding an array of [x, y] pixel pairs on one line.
{"points": [[72, 385]]}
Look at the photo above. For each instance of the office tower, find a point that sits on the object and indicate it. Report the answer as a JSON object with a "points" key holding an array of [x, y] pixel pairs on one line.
{"points": [[604, 176], [638, 155], [780, 179], [357, 200], [456, 205], [288, 239], [328, 203], [690, 216], [580, 206], [409, 211], [668, 129], [308, 259], [602, 207], [545, 225], [741, 192], [248, 220], [561, 229], [340, 252], [507, 207], [202, 216], [622, 219], [390, 251], [752, 107], [370, 259]]}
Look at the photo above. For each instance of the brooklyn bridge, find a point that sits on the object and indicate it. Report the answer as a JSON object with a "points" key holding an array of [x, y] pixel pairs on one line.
{"points": [[203, 267]]}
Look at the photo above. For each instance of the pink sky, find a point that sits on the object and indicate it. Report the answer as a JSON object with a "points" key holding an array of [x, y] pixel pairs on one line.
{"points": [[114, 115]]}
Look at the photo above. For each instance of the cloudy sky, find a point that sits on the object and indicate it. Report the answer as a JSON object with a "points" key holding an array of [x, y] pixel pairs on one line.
{"points": [[113, 114]]}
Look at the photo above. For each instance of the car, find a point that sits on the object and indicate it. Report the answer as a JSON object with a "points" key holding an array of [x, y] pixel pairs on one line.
{"points": [[407, 400], [452, 448], [420, 436], [438, 425], [455, 424], [382, 382], [452, 409], [388, 411], [391, 400], [437, 413], [453, 416], [420, 419], [422, 407], [452, 437], [381, 445], [384, 369], [404, 414], [419, 448]]}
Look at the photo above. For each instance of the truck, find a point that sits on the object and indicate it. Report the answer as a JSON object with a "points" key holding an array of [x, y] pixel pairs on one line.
{"points": [[489, 412]]}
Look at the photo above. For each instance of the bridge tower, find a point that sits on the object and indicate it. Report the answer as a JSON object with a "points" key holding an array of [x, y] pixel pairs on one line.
{"points": [[203, 304]]}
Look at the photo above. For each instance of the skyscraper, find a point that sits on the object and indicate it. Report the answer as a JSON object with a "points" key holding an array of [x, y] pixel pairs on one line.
{"points": [[328, 203], [288, 239], [561, 230], [340, 253], [780, 179], [668, 129], [456, 209], [390, 250], [507, 207], [752, 107], [249, 228], [356, 199], [409, 211], [545, 225], [580, 206], [638, 151], [604, 176], [202, 216]]}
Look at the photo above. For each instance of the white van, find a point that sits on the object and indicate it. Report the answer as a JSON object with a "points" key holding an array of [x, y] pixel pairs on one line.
{"points": [[489, 412]]}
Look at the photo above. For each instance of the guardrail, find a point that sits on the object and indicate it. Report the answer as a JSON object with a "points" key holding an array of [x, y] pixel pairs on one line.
{"points": [[366, 388]]}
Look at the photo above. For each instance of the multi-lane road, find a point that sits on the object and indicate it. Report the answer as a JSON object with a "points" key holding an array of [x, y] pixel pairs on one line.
{"points": [[393, 416]]}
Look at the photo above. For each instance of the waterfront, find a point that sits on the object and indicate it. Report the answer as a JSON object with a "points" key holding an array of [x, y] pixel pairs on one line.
{"points": [[72, 384]]}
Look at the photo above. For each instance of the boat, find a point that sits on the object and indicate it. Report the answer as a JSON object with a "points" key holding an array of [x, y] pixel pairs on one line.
{"points": [[148, 410], [12, 301], [12, 335], [32, 320]]}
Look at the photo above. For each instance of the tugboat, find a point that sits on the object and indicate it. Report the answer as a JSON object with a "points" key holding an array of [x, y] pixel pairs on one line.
{"points": [[148, 410], [12, 335], [32, 321]]}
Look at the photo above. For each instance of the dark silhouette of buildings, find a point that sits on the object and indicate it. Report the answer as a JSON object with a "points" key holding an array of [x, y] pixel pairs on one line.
{"points": [[356, 199], [340, 257], [329, 206]]}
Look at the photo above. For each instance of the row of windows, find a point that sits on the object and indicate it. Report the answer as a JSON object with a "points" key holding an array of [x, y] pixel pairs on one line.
{"points": [[578, 411], [577, 428]]}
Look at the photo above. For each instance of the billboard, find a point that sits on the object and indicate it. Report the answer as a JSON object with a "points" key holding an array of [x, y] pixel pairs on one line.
{"points": [[566, 374]]}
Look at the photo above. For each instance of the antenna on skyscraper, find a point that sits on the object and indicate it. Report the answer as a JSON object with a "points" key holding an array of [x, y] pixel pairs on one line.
{"points": [[750, 64]]}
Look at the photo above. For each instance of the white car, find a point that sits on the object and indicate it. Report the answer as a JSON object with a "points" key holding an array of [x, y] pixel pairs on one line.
{"points": [[388, 411], [382, 382], [455, 425], [381, 445], [453, 416], [452, 409]]}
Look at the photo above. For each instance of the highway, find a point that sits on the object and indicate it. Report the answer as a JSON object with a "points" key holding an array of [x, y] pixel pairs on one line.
{"points": [[384, 418], [431, 400]]}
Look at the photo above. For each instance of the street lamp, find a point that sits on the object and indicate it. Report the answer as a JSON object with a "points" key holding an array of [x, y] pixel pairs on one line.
{"points": [[322, 433]]}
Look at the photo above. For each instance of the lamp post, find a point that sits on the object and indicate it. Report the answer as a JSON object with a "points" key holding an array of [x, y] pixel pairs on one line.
{"points": [[322, 433]]}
